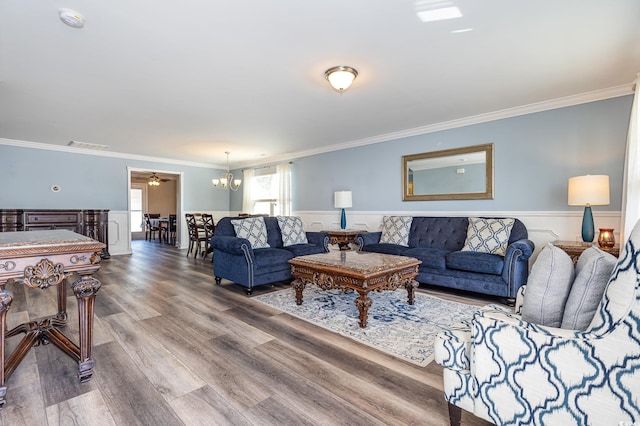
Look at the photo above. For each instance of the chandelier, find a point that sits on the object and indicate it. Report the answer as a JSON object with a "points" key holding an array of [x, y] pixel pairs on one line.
{"points": [[226, 180], [154, 180]]}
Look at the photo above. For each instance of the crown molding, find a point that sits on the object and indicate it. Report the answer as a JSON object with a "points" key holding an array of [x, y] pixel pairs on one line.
{"points": [[567, 101], [69, 149], [582, 98]]}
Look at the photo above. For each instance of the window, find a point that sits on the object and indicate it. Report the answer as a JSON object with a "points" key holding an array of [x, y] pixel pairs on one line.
{"points": [[136, 210], [268, 191]]}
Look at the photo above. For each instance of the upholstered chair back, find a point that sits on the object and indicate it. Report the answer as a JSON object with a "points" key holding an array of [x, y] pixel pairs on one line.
{"points": [[621, 300]]}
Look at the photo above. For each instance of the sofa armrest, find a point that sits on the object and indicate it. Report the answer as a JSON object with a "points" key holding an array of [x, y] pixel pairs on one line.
{"points": [[231, 245], [367, 238], [516, 265], [319, 238]]}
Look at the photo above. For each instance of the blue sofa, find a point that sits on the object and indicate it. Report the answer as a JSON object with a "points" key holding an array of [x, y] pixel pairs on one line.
{"points": [[437, 242], [234, 259]]}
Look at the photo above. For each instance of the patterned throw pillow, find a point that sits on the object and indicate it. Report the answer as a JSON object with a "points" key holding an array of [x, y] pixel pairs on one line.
{"points": [[292, 230], [488, 235], [253, 229], [395, 230]]}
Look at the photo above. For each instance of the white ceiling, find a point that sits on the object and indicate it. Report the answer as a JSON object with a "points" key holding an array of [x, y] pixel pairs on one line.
{"points": [[190, 80]]}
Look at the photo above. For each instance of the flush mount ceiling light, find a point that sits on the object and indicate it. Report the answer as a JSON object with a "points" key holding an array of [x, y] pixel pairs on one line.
{"points": [[434, 10], [71, 18], [340, 77]]}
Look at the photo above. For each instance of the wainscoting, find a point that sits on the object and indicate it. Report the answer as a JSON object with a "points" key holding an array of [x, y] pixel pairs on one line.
{"points": [[543, 227]]}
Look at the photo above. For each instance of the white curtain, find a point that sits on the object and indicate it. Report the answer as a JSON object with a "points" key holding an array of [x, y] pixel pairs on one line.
{"points": [[631, 182], [283, 207], [247, 194]]}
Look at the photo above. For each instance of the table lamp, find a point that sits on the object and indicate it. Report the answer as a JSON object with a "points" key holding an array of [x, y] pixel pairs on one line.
{"points": [[342, 200], [587, 191]]}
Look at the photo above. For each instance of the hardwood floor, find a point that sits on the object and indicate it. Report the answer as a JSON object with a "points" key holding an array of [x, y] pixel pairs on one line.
{"points": [[172, 348]]}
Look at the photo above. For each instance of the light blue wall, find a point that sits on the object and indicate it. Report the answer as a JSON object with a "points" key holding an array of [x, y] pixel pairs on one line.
{"points": [[534, 156], [90, 181]]}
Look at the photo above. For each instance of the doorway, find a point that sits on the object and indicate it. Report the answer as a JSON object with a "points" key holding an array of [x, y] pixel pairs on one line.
{"points": [[163, 199]]}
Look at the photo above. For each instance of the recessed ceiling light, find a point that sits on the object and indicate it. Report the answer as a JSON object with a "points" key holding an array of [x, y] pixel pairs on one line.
{"points": [[430, 10], [71, 18], [463, 30]]}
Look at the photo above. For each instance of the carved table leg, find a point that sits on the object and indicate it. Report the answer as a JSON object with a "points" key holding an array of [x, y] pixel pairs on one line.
{"points": [[85, 289], [363, 303], [298, 286], [6, 297], [31, 339], [411, 286], [62, 303]]}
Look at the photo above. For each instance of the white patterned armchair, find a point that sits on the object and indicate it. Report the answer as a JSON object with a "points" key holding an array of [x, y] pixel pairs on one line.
{"points": [[512, 372]]}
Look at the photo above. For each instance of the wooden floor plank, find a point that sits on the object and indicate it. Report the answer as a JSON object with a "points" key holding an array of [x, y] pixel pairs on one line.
{"points": [[206, 407], [167, 374], [130, 396], [87, 409]]}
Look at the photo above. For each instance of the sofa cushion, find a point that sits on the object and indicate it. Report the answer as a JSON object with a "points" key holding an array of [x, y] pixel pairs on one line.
{"points": [[430, 257], [292, 230], [385, 248], [488, 235], [592, 275], [472, 261], [253, 229], [445, 233], [395, 230], [269, 259], [548, 287], [305, 249]]}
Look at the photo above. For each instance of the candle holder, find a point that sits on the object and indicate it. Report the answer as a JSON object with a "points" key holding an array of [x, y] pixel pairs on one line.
{"points": [[606, 239]]}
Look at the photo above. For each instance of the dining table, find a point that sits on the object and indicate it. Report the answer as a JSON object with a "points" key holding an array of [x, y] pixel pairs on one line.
{"points": [[161, 223]]}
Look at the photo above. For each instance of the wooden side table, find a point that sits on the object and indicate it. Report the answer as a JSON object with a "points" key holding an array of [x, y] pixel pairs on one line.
{"points": [[43, 259], [343, 237], [574, 249]]}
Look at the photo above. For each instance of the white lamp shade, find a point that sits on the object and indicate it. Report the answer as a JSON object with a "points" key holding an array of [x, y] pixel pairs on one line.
{"points": [[342, 199], [589, 190]]}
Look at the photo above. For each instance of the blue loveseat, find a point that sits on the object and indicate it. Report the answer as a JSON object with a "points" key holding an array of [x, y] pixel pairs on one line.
{"points": [[437, 242], [236, 260]]}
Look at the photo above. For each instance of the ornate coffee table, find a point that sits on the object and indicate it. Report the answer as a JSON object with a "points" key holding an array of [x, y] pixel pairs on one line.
{"points": [[359, 271]]}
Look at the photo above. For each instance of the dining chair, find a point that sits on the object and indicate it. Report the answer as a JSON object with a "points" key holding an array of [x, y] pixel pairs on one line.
{"points": [[196, 238], [172, 228], [149, 229], [209, 230]]}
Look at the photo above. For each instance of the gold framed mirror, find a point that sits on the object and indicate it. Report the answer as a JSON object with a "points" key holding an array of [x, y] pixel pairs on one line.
{"points": [[451, 174]]}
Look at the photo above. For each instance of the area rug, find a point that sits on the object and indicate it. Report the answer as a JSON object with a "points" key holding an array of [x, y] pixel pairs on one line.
{"points": [[395, 327]]}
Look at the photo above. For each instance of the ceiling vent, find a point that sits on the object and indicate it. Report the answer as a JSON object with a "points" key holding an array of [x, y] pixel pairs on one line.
{"points": [[86, 145]]}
